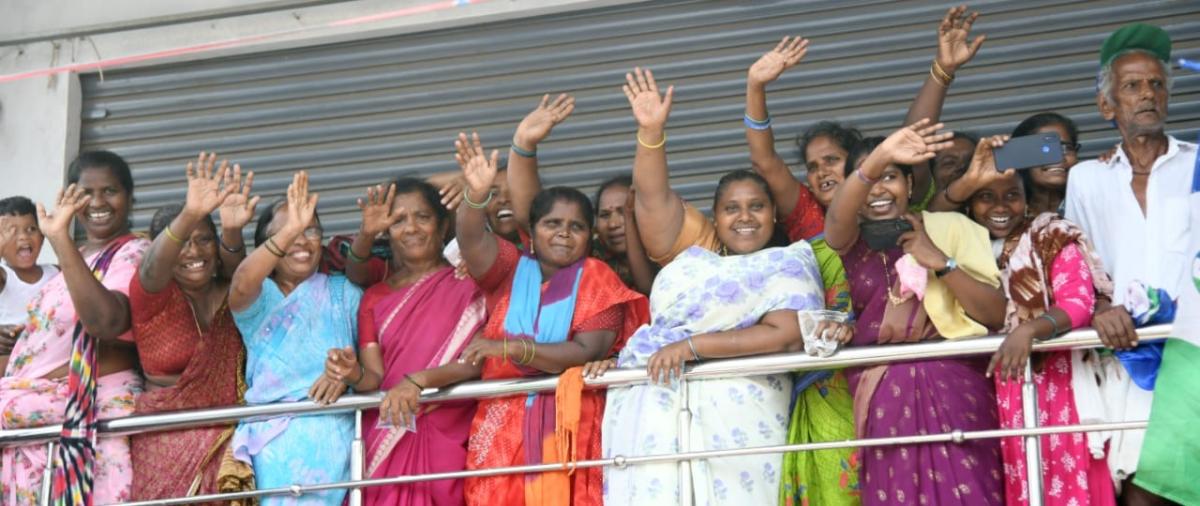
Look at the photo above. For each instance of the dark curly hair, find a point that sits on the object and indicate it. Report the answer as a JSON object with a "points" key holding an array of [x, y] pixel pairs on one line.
{"points": [[846, 137]]}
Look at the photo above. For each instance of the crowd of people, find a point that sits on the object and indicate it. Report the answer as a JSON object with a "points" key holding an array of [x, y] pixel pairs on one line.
{"points": [[481, 273]]}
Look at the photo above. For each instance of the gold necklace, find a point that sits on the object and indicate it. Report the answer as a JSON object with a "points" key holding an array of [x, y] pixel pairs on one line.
{"points": [[894, 298]]}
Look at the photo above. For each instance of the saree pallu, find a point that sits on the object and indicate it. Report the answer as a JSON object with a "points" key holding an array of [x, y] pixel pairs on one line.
{"points": [[822, 407], [919, 397], [700, 292], [287, 339], [499, 430], [183, 463], [28, 399], [1050, 263], [421, 326]]}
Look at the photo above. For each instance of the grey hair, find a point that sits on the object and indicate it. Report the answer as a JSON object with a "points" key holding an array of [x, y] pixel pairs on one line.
{"points": [[1104, 80]]}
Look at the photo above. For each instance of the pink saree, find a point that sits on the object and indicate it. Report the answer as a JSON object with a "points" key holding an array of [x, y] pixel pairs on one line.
{"points": [[28, 399], [421, 326]]}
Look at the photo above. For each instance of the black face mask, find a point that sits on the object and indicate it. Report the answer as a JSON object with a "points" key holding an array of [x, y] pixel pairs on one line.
{"points": [[883, 234]]}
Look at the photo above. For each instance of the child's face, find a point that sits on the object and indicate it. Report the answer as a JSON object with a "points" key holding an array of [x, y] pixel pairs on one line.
{"points": [[26, 245]]}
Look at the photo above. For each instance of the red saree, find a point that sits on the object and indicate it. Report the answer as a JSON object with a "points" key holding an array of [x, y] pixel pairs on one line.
{"points": [[182, 463], [497, 432]]}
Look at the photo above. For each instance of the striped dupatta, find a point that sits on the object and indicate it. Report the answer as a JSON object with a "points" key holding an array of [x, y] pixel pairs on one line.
{"points": [[76, 452]]}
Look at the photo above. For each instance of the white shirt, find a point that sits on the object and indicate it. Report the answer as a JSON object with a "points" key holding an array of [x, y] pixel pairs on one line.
{"points": [[14, 299], [1150, 248]]}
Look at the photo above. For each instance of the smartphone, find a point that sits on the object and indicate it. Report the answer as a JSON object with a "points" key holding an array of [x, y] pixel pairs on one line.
{"points": [[883, 234], [1029, 151]]}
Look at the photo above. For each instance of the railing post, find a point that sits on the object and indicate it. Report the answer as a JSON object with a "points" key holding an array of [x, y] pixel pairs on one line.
{"points": [[47, 475], [356, 459], [685, 444], [1033, 452]]}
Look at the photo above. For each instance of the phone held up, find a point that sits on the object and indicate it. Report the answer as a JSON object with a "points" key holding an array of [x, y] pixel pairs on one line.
{"points": [[1030, 151], [884, 234]]}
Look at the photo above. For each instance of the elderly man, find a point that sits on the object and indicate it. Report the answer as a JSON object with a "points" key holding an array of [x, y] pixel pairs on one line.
{"points": [[1134, 209]]}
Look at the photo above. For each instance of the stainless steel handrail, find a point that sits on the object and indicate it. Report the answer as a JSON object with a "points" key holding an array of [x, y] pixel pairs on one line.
{"points": [[622, 461], [758, 365]]}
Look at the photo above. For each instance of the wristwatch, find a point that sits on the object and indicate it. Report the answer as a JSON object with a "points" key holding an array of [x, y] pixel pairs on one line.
{"points": [[951, 265]]}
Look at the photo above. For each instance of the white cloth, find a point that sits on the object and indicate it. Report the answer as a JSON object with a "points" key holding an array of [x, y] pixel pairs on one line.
{"points": [[14, 299], [1187, 319], [1147, 247], [1151, 247]]}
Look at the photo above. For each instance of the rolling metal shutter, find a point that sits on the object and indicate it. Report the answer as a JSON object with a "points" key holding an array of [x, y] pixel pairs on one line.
{"points": [[365, 112]]}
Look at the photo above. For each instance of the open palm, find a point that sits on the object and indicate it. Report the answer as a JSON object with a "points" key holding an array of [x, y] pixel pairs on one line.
{"points": [[70, 201], [954, 50], [204, 192], [916, 143], [302, 205], [650, 109], [479, 171], [537, 124], [786, 55], [377, 213], [237, 209]]}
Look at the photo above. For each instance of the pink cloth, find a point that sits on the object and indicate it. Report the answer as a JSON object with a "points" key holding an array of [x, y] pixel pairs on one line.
{"points": [[417, 327], [29, 400], [1072, 283], [1069, 473], [913, 277]]}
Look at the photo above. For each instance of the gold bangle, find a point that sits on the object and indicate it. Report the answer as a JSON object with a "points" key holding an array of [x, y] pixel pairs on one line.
{"points": [[532, 352], [171, 235], [938, 79], [504, 349], [940, 74], [655, 146]]}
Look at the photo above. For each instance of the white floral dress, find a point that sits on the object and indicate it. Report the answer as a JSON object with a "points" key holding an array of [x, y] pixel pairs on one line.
{"points": [[701, 292]]}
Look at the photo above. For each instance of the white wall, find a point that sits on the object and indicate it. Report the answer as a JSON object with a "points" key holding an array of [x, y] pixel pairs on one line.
{"points": [[39, 116]]}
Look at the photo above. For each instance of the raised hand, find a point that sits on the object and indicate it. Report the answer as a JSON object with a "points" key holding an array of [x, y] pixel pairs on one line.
{"points": [[70, 200], [377, 213], [204, 191], [954, 50], [301, 205], [916, 143], [650, 109], [786, 55], [237, 209], [479, 171], [982, 170], [8, 231], [537, 124]]}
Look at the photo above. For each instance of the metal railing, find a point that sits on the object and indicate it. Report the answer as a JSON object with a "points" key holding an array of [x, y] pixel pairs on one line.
{"points": [[748, 366]]}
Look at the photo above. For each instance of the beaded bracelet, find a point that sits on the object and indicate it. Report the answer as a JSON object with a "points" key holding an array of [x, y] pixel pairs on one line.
{"points": [[481, 205], [754, 124]]}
